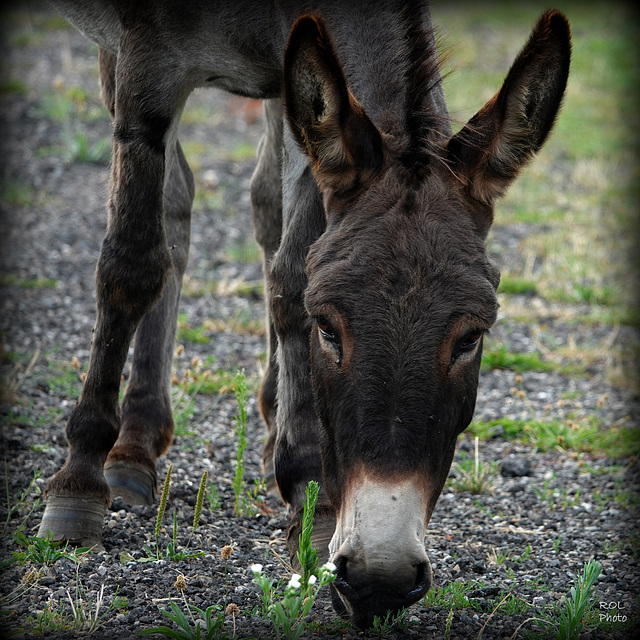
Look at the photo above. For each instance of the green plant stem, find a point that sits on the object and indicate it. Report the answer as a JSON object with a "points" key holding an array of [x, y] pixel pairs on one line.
{"points": [[162, 507]]}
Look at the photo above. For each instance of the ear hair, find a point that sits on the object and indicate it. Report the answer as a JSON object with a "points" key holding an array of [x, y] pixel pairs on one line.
{"points": [[328, 122]]}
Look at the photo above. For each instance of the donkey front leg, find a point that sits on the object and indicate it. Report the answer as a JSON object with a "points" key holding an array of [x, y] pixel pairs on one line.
{"points": [[297, 456], [266, 201], [146, 431], [133, 267]]}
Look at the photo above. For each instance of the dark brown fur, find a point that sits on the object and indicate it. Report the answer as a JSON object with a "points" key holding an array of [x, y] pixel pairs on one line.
{"points": [[372, 218]]}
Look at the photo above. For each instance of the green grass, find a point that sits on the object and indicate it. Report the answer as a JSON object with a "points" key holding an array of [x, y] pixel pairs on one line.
{"points": [[247, 252], [471, 474], [455, 595], [518, 286], [242, 152], [582, 435], [29, 283], [13, 86], [186, 333], [498, 356], [17, 193], [197, 288]]}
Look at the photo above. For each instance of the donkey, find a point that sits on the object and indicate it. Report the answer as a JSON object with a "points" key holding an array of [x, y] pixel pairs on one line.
{"points": [[372, 217]]}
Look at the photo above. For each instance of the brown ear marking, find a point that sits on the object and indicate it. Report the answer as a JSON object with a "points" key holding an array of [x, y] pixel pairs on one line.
{"points": [[503, 136], [328, 122]]}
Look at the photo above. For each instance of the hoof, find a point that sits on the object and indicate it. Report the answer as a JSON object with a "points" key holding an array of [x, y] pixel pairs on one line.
{"points": [[76, 520], [134, 483], [324, 526]]}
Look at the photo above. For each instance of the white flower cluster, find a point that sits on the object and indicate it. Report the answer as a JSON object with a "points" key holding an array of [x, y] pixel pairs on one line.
{"points": [[294, 582]]}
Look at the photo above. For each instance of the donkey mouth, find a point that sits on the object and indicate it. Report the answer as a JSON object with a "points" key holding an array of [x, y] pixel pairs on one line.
{"points": [[377, 598]]}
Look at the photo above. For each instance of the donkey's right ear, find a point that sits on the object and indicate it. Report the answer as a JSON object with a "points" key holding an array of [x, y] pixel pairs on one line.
{"points": [[491, 149], [342, 144]]}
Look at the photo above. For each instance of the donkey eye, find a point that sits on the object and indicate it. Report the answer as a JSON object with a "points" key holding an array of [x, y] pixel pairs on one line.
{"points": [[466, 344], [326, 330]]}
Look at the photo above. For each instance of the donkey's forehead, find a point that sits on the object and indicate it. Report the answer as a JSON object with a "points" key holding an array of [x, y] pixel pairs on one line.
{"points": [[402, 254]]}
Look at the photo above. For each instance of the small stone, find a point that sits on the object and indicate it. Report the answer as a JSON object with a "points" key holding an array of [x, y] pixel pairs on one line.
{"points": [[515, 466], [479, 567]]}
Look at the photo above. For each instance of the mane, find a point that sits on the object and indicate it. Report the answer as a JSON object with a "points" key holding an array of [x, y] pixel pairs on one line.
{"points": [[427, 123]]}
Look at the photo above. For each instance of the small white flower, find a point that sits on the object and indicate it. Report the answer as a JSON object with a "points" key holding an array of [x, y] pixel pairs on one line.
{"points": [[329, 566], [312, 580], [295, 581], [255, 568]]}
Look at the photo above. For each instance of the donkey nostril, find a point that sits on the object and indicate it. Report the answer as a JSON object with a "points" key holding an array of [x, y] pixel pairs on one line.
{"points": [[341, 583], [422, 583]]}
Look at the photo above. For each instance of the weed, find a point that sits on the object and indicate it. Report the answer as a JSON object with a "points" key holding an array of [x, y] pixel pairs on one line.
{"points": [[46, 551], [391, 622], [28, 582], [242, 152], [162, 507], [499, 357], [245, 501], [200, 378], [577, 605], [16, 194], [213, 496], [190, 334], [64, 378], [472, 475], [184, 406], [77, 147], [13, 86], [247, 252], [241, 321], [556, 498], [518, 286], [307, 555], [86, 614], [171, 552], [512, 605], [447, 627], [191, 628], [454, 596], [497, 556], [241, 436], [199, 502], [525, 556], [585, 434], [288, 615], [11, 381]]}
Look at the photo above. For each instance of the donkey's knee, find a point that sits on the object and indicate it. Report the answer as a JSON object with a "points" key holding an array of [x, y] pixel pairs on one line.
{"points": [[130, 278]]}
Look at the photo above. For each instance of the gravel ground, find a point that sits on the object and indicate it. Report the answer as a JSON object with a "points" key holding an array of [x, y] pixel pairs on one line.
{"points": [[545, 515]]}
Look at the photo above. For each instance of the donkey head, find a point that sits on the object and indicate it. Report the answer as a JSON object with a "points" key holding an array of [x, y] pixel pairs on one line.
{"points": [[400, 293]]}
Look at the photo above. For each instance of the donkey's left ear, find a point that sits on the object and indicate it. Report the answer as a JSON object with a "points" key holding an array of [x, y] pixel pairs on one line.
{"points": [[331, 126], [491, 149]]}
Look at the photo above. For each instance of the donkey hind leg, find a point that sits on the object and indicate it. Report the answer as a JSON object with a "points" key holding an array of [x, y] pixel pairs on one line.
{"points": [[146, 430], [266, 201], [297, 456], [133, 266]]}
